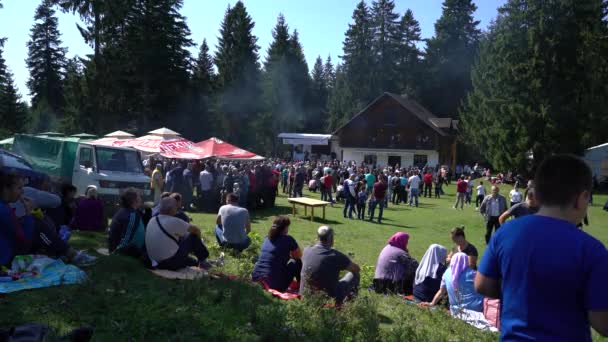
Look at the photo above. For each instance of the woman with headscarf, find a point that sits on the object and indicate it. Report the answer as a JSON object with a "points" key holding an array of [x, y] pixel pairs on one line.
{"points": [[395, 268], [89, 214], [428, 275], [458, 281]]}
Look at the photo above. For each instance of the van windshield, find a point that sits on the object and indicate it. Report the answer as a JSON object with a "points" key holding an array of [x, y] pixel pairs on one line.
{"points": [[109, 159]]}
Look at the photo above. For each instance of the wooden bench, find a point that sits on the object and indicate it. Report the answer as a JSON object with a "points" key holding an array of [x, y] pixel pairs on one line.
{"points": [[308, 202]]}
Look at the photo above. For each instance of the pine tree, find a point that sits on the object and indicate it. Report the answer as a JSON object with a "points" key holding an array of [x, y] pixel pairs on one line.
{"points": [[409, 56], [13, 111], [385, 30], [342, 104], [76, 118], [358, 58], [540, 83], [286, 86], [203, 85], [449, 57], [320, 92], [156, 61], [238, 76], [329, 74], [46, 59]]}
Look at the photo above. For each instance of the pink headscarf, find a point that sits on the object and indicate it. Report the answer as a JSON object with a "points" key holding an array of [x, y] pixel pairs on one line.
{"points": [[399, 240], [458, 265]]}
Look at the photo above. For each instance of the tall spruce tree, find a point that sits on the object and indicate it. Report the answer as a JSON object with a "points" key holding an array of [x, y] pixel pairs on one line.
{"points": [[449, 57], [203, 85], [320, 93], [385, 45], [239, 93], [76, 117], [46, 59], [13, 111], [342, 103], [157, 62], [329, 74], [540, 84], [358, 58], [409, 56]]}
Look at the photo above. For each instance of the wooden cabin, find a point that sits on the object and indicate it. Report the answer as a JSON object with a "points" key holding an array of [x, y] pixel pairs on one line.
{"points": [[394, 130]]}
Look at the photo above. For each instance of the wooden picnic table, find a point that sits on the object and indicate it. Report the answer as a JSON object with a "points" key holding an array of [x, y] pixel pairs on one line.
{"points": [[308, 202]]}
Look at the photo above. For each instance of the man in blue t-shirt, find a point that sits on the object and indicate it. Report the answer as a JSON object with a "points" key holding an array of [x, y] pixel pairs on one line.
{"points": [[550, 275]]}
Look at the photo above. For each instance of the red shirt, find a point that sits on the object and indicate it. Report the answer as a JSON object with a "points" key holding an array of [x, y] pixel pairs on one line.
{"points": [[461, 186], [379, 190], [328, 181], [428, 179]]}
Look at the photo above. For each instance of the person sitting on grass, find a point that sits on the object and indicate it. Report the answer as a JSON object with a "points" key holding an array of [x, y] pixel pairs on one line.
{"points": [[395, 268], [529, 207], [233, 225], [462, 245], [89, 214], [321, 267], [28, 234], [458, 282], [180, 213], [280, 257], [156, 208], [170, 240], [127, 232], [428, 275]]}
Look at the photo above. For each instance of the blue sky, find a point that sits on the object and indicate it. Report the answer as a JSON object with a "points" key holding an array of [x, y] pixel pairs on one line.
{"points": [[321, 24]]}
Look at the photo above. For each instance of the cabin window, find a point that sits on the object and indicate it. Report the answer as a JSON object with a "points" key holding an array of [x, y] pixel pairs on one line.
{"points": [[370, 159], [420, 160], [86, 157]]}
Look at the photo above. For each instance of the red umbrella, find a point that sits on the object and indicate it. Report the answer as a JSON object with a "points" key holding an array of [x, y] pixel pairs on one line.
{"points": [[177, 148], [214, 147]]}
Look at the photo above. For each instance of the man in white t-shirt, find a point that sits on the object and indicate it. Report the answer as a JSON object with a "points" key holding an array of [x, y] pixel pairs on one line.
{"points": [[515, 196], [414, 184], [170, 240], [233, 225]]}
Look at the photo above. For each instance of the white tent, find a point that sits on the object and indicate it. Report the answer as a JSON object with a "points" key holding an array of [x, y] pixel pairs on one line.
{"points": [[165, 133], [597, 159], [119, 135]]}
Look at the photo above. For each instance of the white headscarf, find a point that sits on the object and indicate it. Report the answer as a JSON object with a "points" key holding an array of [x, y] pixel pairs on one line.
{"points": [[431, 260]]}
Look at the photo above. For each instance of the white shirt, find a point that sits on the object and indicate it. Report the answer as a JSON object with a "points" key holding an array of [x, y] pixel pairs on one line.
{"points": [[206, 179], [159, 246], [493, 207], [481, 191], [515, 196], [414, 182], [351, 187]]}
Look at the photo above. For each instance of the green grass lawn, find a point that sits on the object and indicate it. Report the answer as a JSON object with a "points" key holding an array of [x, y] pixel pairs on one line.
{"points": [[124, 301]]}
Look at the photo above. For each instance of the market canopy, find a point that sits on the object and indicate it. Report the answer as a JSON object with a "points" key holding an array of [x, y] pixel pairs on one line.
{"points": [[119, 134], [84, 136], [169, 148], [51, 134], [217, 148]]}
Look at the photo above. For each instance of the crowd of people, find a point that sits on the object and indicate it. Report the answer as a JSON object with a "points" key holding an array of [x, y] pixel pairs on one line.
{"points": [[548, 273]]}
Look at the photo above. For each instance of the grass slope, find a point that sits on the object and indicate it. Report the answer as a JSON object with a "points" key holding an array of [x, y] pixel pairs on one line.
{"points": [[124, 301]]}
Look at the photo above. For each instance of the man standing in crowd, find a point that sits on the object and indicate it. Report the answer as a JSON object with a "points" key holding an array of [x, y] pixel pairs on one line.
{"points": [[481, 194], [461, 193], [206, 195], [529, 207], [233, 225], [321, 267], [546, 294], [414, 184], [428, 184], [370, 179], [491, 208], [350, 196], [188, 186], [515, 196], [378, 198], [298, 184], [170, 240]]}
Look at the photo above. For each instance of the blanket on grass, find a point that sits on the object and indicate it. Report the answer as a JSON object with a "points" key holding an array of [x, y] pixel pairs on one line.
{"points": [[54, 273]]}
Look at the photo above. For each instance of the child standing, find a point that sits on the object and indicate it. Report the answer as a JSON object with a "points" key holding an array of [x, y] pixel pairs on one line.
{"points": [[438, 186], [361, 199], [481, 194]]}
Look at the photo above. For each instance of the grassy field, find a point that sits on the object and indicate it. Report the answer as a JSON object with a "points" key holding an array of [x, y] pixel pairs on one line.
{"points": [[124, 301]]}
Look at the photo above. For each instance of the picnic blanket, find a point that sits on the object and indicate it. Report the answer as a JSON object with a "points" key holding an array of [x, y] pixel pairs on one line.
{"points": [[52, 273], [475, 319], [292, 291], [188, 273]]}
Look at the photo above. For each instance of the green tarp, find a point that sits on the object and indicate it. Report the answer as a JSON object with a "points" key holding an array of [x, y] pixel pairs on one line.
{"points": [[53, 156]]}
